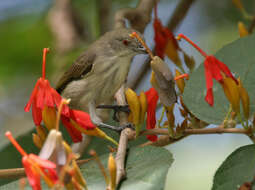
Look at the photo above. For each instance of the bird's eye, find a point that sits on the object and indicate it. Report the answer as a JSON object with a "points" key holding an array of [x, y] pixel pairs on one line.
{"points": [[125, 42]]}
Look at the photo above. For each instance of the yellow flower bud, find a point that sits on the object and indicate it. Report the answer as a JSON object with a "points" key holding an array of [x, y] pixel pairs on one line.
{"points": [[242, 29], [37, 141], [189, 61], [172, 53], [49, 117], [41, 132], [143, 103], [245, 99], [238, 4], [180, 82], [78, 175], [231, 91], [113, 171], [93, 132]]}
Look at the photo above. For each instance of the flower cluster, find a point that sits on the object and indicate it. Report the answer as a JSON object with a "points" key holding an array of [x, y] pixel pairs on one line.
{"points": [[36, 167]]}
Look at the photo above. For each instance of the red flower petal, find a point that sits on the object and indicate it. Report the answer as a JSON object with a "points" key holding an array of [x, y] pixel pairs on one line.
{"points": [[42, 163], [152, 99], [32, 97], [209, 84], [33, 177], [52, 174], [224, 68], [40, 95], [209, 97], [57, 100], [49, 101], [212, 65], [36, 113], [152, 138], [73, 132], [82, 118]]}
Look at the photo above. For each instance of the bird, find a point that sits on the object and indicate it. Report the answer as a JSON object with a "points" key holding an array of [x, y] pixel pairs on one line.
{"points": [[98, 73]]}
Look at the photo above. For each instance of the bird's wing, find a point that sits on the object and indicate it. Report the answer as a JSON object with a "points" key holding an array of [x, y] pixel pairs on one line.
{"points": [[78, 69]]}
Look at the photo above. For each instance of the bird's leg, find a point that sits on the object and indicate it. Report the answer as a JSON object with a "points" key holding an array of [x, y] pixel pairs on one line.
{"points": [[97, 121], [116, 109]]}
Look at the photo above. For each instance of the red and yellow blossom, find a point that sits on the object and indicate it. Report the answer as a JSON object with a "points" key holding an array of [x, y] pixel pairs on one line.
{"points": [[43, 96], [165, 42], [36, 167], [214, 69]]}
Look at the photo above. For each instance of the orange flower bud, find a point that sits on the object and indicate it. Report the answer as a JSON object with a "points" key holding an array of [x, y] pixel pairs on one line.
{"points": [[144, 104], [37, 141], [231, 91], [93, 132], [78, 175], [242, 30], [113, 171], [41, 132], [172, 53], [180, 82], [238, 5], [189, 61], [49, 117], [245, 99]]}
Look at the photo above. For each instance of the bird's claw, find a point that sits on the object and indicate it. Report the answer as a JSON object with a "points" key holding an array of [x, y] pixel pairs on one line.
{"points": [[117, 129], [128, 125], [116, 109]]}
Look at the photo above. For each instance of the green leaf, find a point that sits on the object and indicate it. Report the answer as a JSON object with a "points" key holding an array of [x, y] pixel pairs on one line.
{"points": [[146, 168], [101, 145], [237, 169], [239, 56]]}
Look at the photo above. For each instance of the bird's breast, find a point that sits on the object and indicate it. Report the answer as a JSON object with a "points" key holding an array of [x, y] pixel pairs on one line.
{"points": [[100, 85]]}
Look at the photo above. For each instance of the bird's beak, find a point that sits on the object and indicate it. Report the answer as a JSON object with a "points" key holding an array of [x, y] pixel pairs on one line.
{"points": [[142, 50]]}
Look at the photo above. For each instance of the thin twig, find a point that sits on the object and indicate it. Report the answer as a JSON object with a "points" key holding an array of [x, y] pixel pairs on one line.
{"points": [[163, 141], [20, 172], [166, 140], [179, 14], [126, 134], [138, 17], [215, 130], [252, 25]]}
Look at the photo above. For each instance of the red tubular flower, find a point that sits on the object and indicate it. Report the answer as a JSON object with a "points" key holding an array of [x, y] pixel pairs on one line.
{"points": [[162, 36], [82, 119], [152, 99], [213, 70], [35, 167], [43, 95]]}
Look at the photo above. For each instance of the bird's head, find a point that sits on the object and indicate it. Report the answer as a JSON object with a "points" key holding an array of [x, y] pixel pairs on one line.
{"points": [[120, 40]]}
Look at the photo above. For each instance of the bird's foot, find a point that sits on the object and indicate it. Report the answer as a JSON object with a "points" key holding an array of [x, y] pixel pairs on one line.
{"points": [[116, 109], [128, 125], [115, 128]]}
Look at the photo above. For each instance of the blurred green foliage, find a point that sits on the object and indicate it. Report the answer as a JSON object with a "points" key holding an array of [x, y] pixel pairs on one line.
{"points": [[22, 40]]}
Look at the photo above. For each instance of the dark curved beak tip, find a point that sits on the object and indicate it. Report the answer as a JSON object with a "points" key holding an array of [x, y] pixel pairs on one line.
{"points": [[142, 50]]}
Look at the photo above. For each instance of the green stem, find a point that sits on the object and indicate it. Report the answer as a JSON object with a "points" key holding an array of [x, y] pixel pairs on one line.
{"points": [[242, 123], [161, 117]]}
